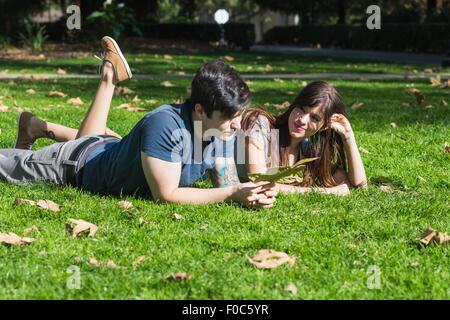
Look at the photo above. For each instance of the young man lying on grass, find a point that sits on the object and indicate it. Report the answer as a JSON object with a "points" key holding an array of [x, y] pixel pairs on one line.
{"points": [[160, 158]]}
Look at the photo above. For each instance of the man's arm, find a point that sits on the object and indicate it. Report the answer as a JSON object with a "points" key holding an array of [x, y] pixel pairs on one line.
{"points": [[224, 173], [163, 178]]}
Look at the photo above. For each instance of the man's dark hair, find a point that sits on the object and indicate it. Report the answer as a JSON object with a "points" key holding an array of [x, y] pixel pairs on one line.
{"points": [[217, 86]]}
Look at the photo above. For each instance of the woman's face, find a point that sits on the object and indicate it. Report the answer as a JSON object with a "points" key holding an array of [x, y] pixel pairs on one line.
{"points": [[304, 122]]}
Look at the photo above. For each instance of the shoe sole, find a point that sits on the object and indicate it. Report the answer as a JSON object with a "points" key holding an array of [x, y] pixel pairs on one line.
{"points": [[127, 67]]}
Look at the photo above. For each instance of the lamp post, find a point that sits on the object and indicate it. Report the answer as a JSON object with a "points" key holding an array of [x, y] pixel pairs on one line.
{"points": [[221, 17]]}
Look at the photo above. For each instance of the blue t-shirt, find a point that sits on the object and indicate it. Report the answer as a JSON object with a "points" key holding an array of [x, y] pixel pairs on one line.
{"points": [[165, 133]]}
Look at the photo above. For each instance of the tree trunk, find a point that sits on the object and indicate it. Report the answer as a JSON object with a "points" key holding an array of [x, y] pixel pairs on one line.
{"points": [[144, 9], [342, 11], [187, 8]]}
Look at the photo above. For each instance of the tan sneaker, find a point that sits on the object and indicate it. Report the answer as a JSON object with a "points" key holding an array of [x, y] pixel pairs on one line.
{"points": [[113, 55], [23, 140]]}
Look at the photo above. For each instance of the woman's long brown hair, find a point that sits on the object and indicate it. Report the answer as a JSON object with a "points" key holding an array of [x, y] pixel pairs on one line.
{"points": [[326, 144]]}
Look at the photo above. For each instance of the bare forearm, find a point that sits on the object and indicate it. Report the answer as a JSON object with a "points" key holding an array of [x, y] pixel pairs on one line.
{"points": [[199, 196], [356, 172]]}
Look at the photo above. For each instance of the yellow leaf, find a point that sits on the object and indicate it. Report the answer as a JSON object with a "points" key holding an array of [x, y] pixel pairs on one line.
{"points": [[280, 172]]}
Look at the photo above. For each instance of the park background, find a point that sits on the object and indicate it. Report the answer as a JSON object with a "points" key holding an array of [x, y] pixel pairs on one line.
{"points": [[394, 81]]}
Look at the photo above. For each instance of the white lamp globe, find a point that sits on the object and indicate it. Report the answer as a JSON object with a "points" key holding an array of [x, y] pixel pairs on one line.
{"points": [[221, 16]]}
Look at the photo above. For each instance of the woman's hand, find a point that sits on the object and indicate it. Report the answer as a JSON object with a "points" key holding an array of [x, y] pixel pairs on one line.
{"points": [[341, 125]]}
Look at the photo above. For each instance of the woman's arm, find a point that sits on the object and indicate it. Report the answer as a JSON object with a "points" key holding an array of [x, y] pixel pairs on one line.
{"points": [[356, 173], [257, 164]]}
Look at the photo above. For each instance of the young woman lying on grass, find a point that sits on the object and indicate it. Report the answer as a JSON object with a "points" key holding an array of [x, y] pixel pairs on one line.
{"points": [[315, 125]]}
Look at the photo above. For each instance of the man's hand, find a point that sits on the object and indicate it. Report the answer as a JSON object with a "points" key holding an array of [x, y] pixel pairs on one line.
{"points": [[255, 196]]}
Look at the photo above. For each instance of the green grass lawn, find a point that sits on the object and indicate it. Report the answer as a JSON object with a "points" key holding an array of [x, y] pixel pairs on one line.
{"points": [[244, 62], [336, 240]]}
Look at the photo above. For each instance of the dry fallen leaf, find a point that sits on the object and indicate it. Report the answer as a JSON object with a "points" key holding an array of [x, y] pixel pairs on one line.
{"points": [[130, 210], [61, 72], [361, 149], [109, 264], [428, 70], [48, 205], [430, 235], [79, 226], [356, 105], [228, 58], [446, 148], [282, 106], [278, 80], [136, 99], [125, 204], [57, 94], [139, 260], [152, 101], [167, 84], [3, 108], [75, 101], [21, 200], [167, 57], [444, 103], [131, 107], [435, 81], [43, 204], [12, 238], [291, 288], [122, 90], [420, 98], [386, 189], [30, 91], [30, 230], [204, 226], [268, 68], [177, 216], [270, 259], [180, 276], [393, 125]]}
